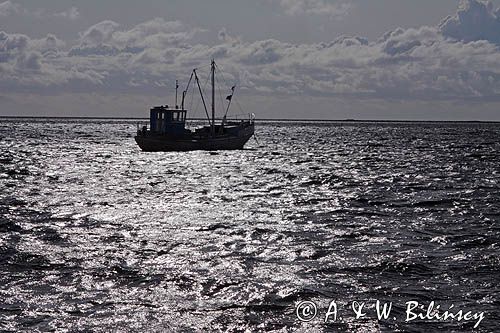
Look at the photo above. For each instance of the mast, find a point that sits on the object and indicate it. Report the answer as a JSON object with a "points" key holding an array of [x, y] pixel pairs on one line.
{"points": [[186, 90], [212, 127], [176, 88]]}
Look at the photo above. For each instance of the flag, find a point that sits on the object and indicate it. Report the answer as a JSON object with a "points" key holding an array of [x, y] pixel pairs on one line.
{"points": [[232, 92]]}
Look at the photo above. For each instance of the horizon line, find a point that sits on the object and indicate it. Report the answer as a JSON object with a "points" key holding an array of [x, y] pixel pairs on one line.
{"points": [[261, 119]]}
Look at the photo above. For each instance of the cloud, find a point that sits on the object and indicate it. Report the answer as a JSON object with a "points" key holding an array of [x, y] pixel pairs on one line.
{"points": [[11, 45], [106, 38], [8, 8], [71, 14], [41, 65], [333, 9], [30, 61], [262, 52], [99, 33], [156, 33], [425, 63], [224, 36], [49, 46], [475, 20]]}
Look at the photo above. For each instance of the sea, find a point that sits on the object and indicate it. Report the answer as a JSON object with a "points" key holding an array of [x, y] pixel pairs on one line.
{"points": [[313, 227]]}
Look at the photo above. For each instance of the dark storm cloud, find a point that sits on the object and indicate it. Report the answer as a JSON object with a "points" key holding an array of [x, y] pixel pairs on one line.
{"points": [[458, 59]]}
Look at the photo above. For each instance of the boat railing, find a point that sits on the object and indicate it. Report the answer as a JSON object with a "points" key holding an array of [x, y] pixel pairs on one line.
{"points": [[142, 126], [234, 118], [240, 117]]}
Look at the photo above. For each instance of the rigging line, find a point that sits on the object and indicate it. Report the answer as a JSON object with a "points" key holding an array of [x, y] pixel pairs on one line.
{"points": [[220, 92], [222, 74], [239, 106], [187, 87], [189, 91], [237, 103], [208, 65], [191, 94], [205, 87], [195, 109], [199, 100], [202, 97]]}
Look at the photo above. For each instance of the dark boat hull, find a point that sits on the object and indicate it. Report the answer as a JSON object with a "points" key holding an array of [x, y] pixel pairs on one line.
{"points": [[152, 143]]}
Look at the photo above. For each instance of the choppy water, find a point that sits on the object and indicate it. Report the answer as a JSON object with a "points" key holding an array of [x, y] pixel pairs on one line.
{"points": [[96, 235]]}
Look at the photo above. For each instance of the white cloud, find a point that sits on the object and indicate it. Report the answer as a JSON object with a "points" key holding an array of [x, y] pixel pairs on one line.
{"points": [[156, 33], [29, 61], [99, 33], [410, 64], [11, 45], [224, 36], [71, 14], [475, 20], [333, 9], [8, 8], [106, 38]]}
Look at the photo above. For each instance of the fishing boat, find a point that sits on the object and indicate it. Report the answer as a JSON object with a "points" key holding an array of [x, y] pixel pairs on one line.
{"points": [[167, 126]]}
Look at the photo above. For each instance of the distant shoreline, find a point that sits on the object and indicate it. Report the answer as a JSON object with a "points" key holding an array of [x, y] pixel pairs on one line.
{"points": [[289, 120]]}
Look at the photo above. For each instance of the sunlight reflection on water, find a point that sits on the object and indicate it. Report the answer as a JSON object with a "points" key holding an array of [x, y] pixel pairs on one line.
{"points": [[96, 234]]}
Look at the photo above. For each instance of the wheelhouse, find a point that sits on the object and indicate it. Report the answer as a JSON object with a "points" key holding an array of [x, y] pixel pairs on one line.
{"points": [[165, 120]]}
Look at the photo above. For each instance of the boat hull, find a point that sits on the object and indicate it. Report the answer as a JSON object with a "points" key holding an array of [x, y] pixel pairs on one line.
{"points": [[152, 143]]}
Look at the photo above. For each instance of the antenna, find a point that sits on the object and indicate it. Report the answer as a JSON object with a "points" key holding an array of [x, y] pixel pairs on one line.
{"points": [[212, 128]]}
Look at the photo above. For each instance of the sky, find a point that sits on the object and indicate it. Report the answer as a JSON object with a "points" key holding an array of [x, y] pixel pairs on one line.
{"points": [[315, 59]]}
